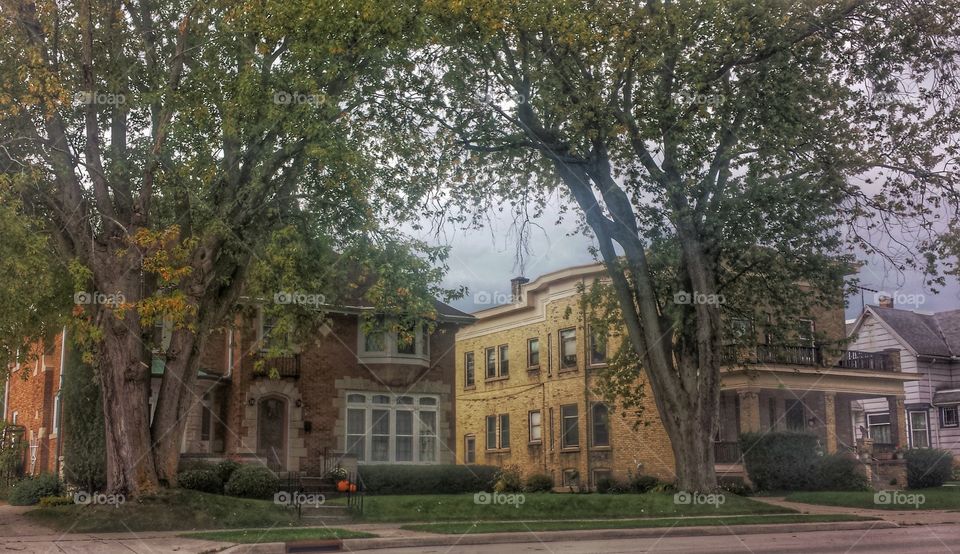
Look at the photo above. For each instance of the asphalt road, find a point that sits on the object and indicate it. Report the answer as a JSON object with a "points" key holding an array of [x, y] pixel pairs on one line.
{"points": [[928, 538]]}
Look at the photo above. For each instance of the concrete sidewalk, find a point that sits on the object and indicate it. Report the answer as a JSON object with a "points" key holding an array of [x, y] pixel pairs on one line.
{"points": [[899, 517]]}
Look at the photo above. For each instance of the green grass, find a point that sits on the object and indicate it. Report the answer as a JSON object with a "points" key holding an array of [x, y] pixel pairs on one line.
{"points": [[175, 510], [945, 498], [248, 536], [539, 506], [535, 526]]}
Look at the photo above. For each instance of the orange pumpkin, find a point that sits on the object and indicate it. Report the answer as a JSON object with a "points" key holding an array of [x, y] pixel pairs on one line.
{"points": [[343, 486], [353, 487]]}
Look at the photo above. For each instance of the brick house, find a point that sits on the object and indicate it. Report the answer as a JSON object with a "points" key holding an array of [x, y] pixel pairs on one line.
{"points": [[343, 397], [527, 371]]}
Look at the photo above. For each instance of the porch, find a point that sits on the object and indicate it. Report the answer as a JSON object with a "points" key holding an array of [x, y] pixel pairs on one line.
{"points": [[806, 389]]}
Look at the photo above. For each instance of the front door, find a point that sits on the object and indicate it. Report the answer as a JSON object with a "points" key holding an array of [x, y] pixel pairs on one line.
{"points": [[271, 430]]}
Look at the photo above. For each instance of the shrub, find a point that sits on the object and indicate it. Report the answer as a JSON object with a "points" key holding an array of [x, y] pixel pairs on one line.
{"points": [[226, 468], [840, 472], [508, 479], [642, 483], [609, 485], [50, 501], [539, 482], [928, 467], [734, 485], [780, 461], [432, 479], [203, 480], [84, 442], [29, 491], [252, 481]]}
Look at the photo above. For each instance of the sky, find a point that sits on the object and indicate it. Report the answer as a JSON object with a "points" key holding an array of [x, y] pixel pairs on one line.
{"points": [[484, 260]]}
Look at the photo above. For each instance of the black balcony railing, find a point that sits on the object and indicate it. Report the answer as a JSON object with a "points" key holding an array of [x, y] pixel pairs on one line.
{"points": [[726, 452], [814, 356], [285, 366]]}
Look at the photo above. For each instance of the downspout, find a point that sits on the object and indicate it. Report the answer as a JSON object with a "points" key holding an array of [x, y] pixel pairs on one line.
{"points": [[587, 352], [59, 422]]}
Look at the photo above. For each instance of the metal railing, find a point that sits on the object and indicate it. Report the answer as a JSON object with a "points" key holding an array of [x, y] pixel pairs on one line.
{"points": [[285, 366], [813, 356], [726, 452]]}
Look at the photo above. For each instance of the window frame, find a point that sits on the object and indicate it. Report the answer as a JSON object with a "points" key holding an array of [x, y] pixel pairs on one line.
{"points": [[411, 403], [531, 426], [592, 345], [469, 369], [491, 431], [888, 425], [531, 352], [490, 363], [504, 429], [564, 431], [593, 424], [391, 346], [564, 366], [469, 449], [925, 430], [956, 416], [503, 360]]}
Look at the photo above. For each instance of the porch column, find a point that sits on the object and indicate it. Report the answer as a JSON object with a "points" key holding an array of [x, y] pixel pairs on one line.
{"points": [[898, 420], [830, 420], [749, 410]]}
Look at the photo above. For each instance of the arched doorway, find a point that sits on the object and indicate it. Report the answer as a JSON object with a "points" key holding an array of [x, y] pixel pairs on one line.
{"points": [[272, 432]]}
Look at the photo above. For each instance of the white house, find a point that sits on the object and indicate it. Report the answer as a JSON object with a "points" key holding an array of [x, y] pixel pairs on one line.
{"points": [[929, 345]]}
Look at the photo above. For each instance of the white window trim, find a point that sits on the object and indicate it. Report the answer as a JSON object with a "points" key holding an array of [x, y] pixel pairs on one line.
{"points": [[926, 429], [391, 354], [871, 425], [368, 406]]}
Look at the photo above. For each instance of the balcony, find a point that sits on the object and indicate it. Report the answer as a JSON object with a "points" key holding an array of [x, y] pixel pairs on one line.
{"points": [[811, 356], [727, 452], [285, 366]]}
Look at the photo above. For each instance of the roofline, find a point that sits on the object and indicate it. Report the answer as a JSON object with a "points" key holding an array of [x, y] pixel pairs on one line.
{"points": [[868, 308], [356, 310], [539, 283]]}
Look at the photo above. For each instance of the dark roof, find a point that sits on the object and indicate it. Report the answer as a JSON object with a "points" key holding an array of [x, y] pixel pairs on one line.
{"points": [[943, 397], [928, 334], [446, 312]]}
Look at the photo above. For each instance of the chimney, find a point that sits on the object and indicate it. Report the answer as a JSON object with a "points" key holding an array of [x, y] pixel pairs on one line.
{"points": [[886, 301], [516, 287]]}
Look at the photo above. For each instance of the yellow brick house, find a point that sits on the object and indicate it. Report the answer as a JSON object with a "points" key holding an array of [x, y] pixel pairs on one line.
{"points": [[527, 372]]}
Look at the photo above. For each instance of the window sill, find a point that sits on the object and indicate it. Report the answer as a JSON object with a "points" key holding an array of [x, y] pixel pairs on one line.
{"points": [[497, 450], [533, 368], [470, 387], [602, 448], [563, 370], [500, 378], [569, 449], [535, 443], [598, 365]]}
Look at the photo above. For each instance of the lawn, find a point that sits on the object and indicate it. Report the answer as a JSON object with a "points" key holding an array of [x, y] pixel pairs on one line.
{"points": [[537, 526], [247, 536], [174, 510], [539, 506], [943, 498]]}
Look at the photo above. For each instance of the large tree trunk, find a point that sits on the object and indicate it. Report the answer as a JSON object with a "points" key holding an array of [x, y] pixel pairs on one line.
{"points": [[692, 444], [125, 387]]}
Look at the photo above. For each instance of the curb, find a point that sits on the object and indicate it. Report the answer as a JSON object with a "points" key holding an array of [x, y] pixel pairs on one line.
{"points": [[259, 548], [605, 534]]}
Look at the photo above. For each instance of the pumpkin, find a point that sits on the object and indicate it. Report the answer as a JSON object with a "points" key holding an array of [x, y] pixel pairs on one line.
{"points": [[353, 487], [343, 486]]}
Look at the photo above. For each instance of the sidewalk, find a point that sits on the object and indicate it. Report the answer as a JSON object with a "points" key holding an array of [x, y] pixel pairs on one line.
{"points": [[898, 517]]}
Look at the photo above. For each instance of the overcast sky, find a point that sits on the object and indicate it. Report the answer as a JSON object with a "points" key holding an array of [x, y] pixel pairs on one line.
{"points": [[485, 261]]}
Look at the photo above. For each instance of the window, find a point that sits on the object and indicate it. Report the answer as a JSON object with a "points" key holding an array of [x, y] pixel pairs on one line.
{"points": [[504, 431], [491, 432], [536, 426], [491, 357], [601, 425], [206, 417], [468, 368], [741, 330], [598, 346], [268, 338], [381, 341], [568, 348], [56, 413], [382, 428], [878, 426], [14, 417], [407, 339], [504, 360], [375, 341], [533, 353], [570, 430], [949, 416], [470, 449], [794, 415], [571, 478], [919, 438], [805, 332]]}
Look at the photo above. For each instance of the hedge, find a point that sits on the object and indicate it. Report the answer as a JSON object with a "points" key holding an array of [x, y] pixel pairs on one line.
{"points": [[790, 462], [252, 481], [29, 491], [203, 480], [432, 479], [928, 467]]}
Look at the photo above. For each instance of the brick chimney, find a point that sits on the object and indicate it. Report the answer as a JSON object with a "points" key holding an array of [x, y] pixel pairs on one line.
{"points": [[886, 301], [516, 287]]}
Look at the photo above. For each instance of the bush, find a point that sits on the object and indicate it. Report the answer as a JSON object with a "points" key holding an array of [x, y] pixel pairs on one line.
{"points": [[609, 485], [539, 482], [642, 483], [780, 461], [50, 501], [508, 479], [84, 441], [433, 479], [226, 468], [840, 472], [734, 485], [203, 480], [928, 467], [252, 481], [29, 491]]}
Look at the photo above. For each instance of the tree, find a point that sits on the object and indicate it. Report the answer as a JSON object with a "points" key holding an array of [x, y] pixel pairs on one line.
{"points": [[721, 153], [171, 142]]}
